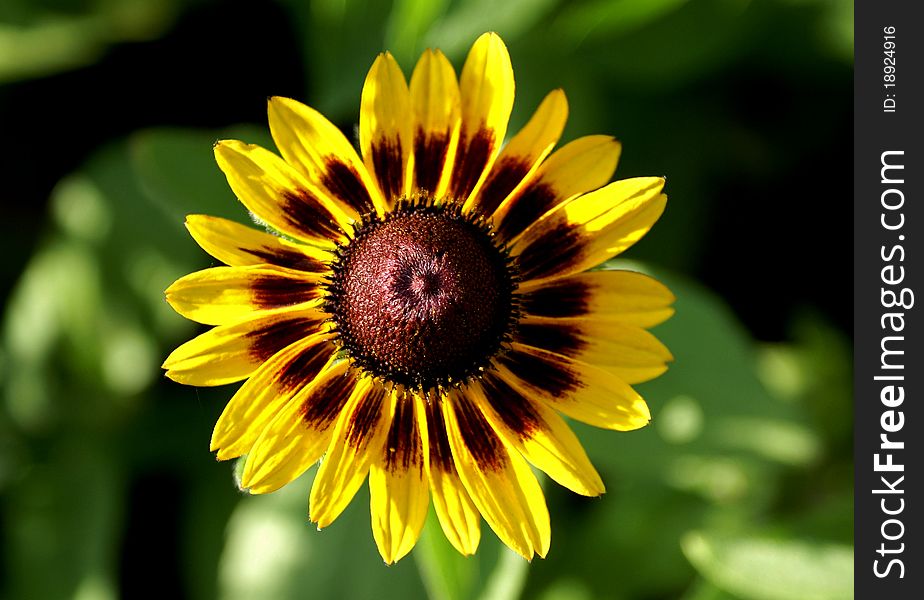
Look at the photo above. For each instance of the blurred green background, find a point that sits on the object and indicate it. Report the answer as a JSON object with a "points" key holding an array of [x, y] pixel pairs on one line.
{"points": [[740, 488]]}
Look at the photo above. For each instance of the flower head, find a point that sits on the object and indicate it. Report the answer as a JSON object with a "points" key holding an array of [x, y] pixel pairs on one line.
{"points": [[422, 314]]}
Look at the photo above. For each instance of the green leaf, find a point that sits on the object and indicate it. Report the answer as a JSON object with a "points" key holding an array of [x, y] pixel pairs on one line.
{"points": [[408, 23], [710, 402], [494, 573], [273, 551], [711, 455], [837, 29], [703, 590], [176, 167], [446, 574], [629, 38], [506, 580], [612, 17], [567, 588], [65, 511], [340, 39], [468, 19], [762, 568], [39, 43]]}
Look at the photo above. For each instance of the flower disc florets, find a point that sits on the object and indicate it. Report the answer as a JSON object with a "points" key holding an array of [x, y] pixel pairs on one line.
{"points": [[422, 297]]}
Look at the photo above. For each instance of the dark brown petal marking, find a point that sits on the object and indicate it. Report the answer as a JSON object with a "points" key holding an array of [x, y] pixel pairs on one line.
{"points": [[559, 338], [346, 185], [550, 376], [288, 258], [471, 160], [325, 403], [559, 299], [271, 292], [304, 368], [505, 175], [557, 248], [478, 436], [365, 416], [270, 339], [517, 413], [389, 170], [537, 199], [304, 212], [429, 159], [403, 445], [440, 452]]}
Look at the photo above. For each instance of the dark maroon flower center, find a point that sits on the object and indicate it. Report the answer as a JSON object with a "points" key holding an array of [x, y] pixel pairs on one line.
{"points": [[423, 297]]}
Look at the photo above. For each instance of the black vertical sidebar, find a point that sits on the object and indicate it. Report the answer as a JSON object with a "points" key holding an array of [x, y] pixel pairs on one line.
{"points": [[888, 267]]}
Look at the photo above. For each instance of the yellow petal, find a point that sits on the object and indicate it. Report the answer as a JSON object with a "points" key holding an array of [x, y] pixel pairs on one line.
{"points": [[319, 151], [581, 391], [590, 229], [280, 196], [300, 431], [629, 352], [240, 246], [224, 294], [398, 496], [437, 117], [521, 157], [539, 434], [499, 481], [457, 515], [232, 352], [358, 436], [623, 296], [578, 167], [262, 396], [487, 89], [385, 134]]}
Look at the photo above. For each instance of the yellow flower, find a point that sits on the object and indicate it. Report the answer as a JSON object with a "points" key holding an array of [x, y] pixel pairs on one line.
{"points": [[422, 315]]}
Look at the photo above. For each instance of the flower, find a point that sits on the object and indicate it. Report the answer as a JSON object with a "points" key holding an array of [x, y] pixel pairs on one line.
{"points": [[422, 315]]}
